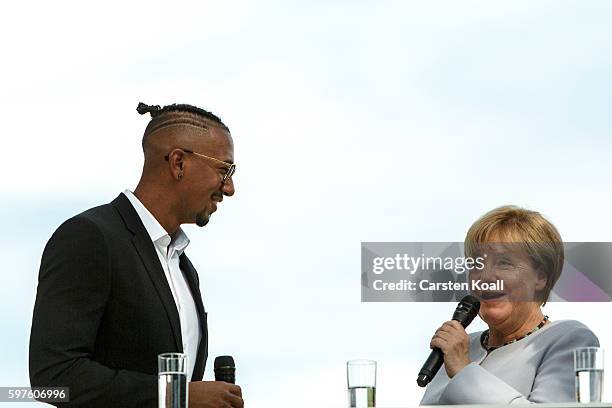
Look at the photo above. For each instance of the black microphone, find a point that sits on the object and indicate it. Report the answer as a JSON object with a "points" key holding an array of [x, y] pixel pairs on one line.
{"points": [[225, 369], [466, 311]]}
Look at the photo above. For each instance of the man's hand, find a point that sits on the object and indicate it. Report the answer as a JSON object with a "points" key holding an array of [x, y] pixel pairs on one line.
{"points": [[214, 394], [454, 342]]}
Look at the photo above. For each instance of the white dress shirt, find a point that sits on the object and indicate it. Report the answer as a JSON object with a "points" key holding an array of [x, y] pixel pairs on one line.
{"points": [[169, 250]]}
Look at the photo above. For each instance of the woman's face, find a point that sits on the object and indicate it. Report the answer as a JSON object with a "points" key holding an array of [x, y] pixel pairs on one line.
{"points": [[513, 304]]}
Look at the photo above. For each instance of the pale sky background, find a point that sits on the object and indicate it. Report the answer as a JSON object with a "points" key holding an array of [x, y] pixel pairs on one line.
{"points": [[353, 121]]}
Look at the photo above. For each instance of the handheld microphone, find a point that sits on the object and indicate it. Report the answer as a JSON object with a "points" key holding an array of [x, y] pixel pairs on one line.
{"points": [[465, 312], [225, 369]]}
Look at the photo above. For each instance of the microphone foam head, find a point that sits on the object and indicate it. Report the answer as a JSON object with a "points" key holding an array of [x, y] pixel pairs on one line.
{"points": [[467, 310], [224, 362], [471, 300]]}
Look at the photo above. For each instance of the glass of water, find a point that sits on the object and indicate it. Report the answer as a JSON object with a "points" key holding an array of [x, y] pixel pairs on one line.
{"points": [[361, 377], [172, 380], [589, 367]]}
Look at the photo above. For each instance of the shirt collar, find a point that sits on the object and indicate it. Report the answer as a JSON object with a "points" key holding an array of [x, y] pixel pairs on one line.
{"points": [[158, 234]]}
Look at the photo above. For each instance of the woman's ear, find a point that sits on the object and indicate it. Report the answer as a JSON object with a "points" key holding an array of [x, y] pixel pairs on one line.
{"points": [[542, 278]]}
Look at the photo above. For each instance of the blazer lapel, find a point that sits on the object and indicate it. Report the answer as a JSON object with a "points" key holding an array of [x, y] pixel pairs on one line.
{"points": [[144, 246], [194, 286]]}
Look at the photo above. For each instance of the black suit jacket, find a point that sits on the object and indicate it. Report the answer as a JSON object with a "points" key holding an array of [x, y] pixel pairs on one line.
{"points": [[104, 311]]}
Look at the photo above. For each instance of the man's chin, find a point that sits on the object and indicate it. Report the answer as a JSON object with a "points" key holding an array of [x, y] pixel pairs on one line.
{"points": [[202, 219]]}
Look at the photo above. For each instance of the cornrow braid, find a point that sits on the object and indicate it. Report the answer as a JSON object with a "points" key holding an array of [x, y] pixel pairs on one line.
{"points": [[156, 111], [177, 115], [143, 108]]}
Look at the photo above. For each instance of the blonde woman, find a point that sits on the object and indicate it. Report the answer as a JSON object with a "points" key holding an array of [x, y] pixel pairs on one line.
{"points": [[524, 356]]}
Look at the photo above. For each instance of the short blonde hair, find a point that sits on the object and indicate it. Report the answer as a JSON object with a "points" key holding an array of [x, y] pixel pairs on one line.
{"points": [[539, 239]]}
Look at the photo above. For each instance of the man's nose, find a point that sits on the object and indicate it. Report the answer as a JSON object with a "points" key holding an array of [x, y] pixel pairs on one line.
{"points": [[228, 188]]}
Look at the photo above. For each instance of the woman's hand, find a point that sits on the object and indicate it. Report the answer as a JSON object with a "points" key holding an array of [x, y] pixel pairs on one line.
{"points": [[454, 342]]}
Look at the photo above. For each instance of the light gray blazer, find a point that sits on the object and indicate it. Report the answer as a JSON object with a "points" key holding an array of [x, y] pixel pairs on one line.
{"points": [[538, 368]]}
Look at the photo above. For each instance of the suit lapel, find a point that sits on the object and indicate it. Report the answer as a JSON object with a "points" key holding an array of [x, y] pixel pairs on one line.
{"points": [[194, 286], [148, 255]]}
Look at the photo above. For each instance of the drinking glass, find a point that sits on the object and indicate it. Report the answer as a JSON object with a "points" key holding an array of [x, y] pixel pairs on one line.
{"points": [[172, 380], [361, 378], [589, 368]]}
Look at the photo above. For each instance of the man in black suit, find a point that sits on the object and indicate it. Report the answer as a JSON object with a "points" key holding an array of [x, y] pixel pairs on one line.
{"points": [[115, 287]]}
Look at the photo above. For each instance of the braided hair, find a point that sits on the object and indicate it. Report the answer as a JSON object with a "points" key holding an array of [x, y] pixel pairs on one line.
{"points": [[156, 110], [176, 114]]}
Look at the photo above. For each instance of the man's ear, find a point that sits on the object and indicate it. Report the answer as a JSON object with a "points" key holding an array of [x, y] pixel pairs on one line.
{"points": [[175, 162]]}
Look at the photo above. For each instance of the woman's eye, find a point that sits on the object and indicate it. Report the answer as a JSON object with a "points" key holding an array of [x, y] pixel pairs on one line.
{"points": [[504, 262]]}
